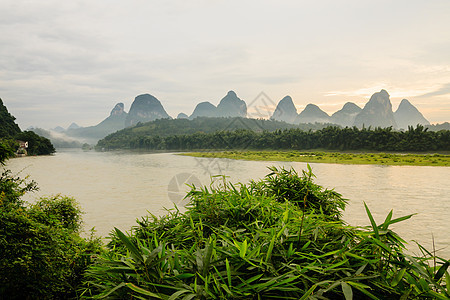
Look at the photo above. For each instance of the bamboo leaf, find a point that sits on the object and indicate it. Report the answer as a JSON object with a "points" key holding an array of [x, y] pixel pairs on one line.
{"points": [[142, 291], [269, 251], [122, 284], [398, 277], [372, 221], [177, 294], [347, 290], [400, 219], [243, 249], [441, 271], [309, 292], [227, 264], [130, 246], [387, 220], [364, 291]]}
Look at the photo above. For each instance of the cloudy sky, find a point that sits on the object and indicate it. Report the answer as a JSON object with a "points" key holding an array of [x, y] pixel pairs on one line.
{"points": [[72, 61]]}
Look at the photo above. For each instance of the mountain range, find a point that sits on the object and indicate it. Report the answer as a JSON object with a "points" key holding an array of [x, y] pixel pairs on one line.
{"points": [[145, 108]]}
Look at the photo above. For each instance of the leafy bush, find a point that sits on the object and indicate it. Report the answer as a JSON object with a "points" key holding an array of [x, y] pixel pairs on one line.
{"points": [[41, 254], [58, 210], [240, 241], [12, 188], [40, 261]]}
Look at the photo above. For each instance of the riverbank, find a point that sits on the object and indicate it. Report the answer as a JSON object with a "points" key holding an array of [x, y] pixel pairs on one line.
{"points": [[396, 159]]}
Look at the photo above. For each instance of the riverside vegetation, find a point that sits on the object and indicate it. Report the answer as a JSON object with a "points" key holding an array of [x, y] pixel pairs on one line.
{"points": [[42, 255], [333, 157], [241, 133], [281, 237]]}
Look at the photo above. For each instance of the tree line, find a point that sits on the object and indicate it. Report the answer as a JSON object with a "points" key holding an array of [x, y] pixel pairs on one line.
{"points": [[329, 138]]}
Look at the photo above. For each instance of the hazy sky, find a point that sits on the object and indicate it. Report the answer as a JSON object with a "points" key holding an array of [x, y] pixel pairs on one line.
{"points": [[72, 61]]}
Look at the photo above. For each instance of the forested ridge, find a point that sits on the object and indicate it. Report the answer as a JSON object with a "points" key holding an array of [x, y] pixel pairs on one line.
{"points": [[10, 133], [330, 138]]}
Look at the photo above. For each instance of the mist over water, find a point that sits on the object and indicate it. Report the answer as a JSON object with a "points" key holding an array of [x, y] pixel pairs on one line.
{"points": [[116, 188]]}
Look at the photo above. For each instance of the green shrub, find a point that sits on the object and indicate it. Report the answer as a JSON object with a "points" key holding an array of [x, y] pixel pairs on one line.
{"points": [[58, 210], [240, 241], [41, 254], [39, 261]]}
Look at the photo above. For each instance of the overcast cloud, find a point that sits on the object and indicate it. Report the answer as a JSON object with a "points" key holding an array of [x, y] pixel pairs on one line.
{"points": [[72, 61]]}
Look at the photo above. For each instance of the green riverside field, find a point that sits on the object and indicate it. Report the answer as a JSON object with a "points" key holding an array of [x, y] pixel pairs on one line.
{"points": [[334, 157]]}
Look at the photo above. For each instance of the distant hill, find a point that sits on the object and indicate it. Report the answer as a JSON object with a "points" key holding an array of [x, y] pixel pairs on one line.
{"points": [[182, 116], [145, 108], [127, 137], [312, 114], [345, 117], [285, 111], [438, 127], [377, 112], [232, 106], [115, 121], [204, 109], [408, 115]]}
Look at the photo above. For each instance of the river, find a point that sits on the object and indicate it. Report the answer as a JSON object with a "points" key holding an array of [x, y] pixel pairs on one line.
{"points": [[116, 188]]}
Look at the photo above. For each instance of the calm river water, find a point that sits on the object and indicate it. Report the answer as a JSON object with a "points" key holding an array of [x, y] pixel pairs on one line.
{"points": [[116, 188]]}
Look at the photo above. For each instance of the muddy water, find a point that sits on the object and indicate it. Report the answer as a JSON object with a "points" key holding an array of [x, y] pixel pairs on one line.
{"points": [[114, 189]]}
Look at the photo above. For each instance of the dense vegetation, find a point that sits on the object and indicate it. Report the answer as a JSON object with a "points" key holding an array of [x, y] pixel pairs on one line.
{"points": [[280, 238], [42, 255], [331, 138], [160, 129], [10, 133], [332, 157]]}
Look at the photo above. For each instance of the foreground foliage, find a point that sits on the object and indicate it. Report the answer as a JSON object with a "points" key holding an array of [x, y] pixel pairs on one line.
{"points": [[42, 255], [281, 238]]}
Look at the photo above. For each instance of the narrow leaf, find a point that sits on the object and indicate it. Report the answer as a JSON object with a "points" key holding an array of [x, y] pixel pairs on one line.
{"points": [[347, 290], [142, 291], [308, 293], [398, 277], [372, 221], [130, 246], [441, 271]]}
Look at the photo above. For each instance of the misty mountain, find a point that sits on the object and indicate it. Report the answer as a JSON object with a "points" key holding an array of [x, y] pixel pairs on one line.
{"points": [[377, 112], [73, 126], [57, 129], [312, 114], [408, 115], [145, 108], [285, 111], [232, 106], [346, 116], [204, 109], [182, 116], [91, 134], [58, 139]]}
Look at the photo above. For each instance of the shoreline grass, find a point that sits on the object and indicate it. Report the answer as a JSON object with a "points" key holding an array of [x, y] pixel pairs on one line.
{"points": [[391, 159]]}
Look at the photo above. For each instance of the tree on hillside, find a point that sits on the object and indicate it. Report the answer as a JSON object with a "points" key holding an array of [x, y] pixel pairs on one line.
{"points": [[8, 127]]}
